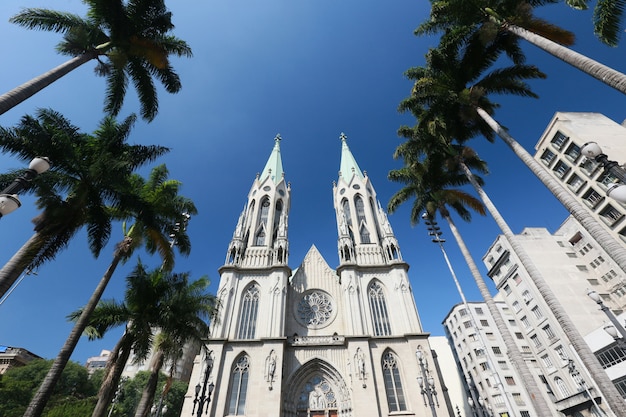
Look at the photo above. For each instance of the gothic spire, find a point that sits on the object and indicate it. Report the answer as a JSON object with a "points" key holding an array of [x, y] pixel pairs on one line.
{"points": [[348, 166], [274, 166]]}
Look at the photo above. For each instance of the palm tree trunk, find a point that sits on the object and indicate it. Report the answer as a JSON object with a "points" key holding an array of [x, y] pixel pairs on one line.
{"points": [[608, 390], [12, 270], [14, 97], [39, 401], [534, 393], [147, 397], [614, 248], [601, 72], [113, 373]]}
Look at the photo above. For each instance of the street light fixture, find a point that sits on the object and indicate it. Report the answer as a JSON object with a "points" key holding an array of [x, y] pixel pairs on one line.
{"points": [[426, 383], [435, 232], [616, 330], [201, 389], [616, 191], [9, 200]]}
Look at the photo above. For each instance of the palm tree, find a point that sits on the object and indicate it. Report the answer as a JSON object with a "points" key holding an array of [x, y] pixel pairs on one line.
{"points": [[183, 320], [445, 91], [129, 39], [429, 181], [147, 293], [442, 91], [607, 18], [155, 205], [89, 178], [493, 17]]}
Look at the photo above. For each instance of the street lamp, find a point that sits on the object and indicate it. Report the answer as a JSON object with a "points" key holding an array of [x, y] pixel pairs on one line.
{"points": [[9, 200], [616, 191], [620, 338], [426, 383], [201, 389], [435, 232]]}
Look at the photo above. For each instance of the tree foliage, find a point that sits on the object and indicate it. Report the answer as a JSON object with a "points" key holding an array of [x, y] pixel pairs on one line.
{"points": [[74, 395]]}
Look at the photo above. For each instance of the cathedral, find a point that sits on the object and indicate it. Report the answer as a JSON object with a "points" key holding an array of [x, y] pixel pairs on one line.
{"points": [[316, 341]]}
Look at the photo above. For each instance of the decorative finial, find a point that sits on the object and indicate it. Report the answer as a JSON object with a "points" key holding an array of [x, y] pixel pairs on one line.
{"points": [[278, 138], [343, 137]]}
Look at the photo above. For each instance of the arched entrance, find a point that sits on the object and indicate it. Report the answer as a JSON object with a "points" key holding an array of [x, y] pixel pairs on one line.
{"points": [[316, 390]]}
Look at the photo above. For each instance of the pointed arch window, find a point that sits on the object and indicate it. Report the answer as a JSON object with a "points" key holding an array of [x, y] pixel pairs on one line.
{"points": [[239, 387], [346, 210], [362, 221], [249, 313], [393, 384], [263, 216], [560, 384], [378, 306], [277, 216]]}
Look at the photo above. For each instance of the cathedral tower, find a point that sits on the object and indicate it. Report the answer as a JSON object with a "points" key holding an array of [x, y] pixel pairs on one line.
{"points": [[320, 342]]}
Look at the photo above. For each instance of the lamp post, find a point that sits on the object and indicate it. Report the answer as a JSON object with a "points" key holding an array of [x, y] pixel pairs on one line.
{"points": [[201, 389], [426, 383], [613, 330], [616, 191], [9, 200], [435, 232], [571, 368]]}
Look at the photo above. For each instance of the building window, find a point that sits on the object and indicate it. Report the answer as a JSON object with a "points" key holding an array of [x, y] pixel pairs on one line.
{"points": [[378, 306], [525, 322], [507, 289], [484, 366], [516, 306], [519, 336], [462, 312], [562, 387], [467, 324], [610, 214], [496, 350], [260, 235], [536, 340], [249, 313], [524, 413], [610, 356], [547, 157], [592, 198], [484, 323], [549, 332], [561, 353], [239, 387], [517, 397], [479, 311], [620, 384], [575, 183], [572, 152], [537, 312], [547, 362], [503, 365], [561, 169], [509, 380], [559, 140], [393, 385], [360, 215]]}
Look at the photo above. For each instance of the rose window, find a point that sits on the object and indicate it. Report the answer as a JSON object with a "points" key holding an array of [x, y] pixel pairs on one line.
{"points": [[315, 309]]}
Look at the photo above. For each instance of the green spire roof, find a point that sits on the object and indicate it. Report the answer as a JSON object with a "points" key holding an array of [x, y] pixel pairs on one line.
{"points": [[348, 163], [274, 166]]}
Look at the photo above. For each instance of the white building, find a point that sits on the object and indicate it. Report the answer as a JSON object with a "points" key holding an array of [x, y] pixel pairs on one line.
{"points": [[490, 379], [559, 150], [573, 263], [317, 341]]}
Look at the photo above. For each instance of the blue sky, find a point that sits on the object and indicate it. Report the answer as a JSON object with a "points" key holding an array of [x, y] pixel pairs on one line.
{"points": [[308, 70]]}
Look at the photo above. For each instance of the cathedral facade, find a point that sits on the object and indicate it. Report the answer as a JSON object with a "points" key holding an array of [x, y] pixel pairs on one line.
{"points": [[316, 341]]}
